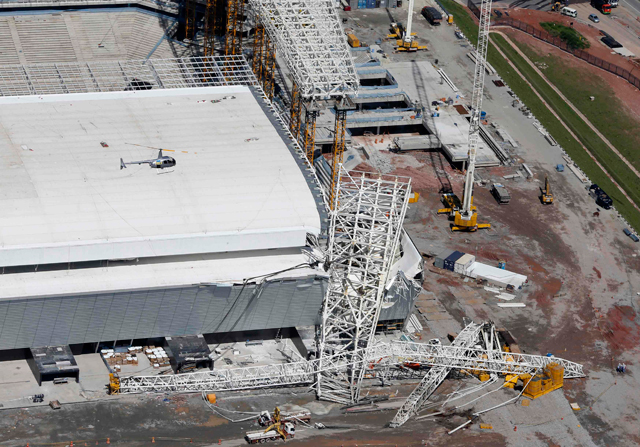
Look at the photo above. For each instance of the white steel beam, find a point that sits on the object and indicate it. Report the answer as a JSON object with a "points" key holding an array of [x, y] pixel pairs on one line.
{"points": [[310, 38], [377, 359], [468, 337], [366, 222]]}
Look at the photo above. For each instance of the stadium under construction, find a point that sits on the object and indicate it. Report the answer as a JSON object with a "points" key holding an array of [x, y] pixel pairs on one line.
{"points": [[225, 242]]}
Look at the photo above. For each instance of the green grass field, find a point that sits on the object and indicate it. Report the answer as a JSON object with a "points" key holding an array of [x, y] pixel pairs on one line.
{"points": [[607, 112], [617, 169], [567, 34]]}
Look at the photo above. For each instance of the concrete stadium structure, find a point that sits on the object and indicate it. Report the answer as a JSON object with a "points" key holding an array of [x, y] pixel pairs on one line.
{"points": [[226, 242]]}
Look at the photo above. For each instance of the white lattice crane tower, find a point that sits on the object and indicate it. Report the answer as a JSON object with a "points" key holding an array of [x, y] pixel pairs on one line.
{"points": [[466, 218], [366, 222]]}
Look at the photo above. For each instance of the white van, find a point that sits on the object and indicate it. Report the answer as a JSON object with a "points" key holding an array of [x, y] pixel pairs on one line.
{"points": [[566, 11]]}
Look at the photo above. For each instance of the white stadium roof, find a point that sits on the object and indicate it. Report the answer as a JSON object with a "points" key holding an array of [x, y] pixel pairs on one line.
{"points": [[221, 268], [236, 185]]}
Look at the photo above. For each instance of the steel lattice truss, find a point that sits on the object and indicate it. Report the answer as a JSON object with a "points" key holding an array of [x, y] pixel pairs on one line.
{"points": [[468, 337], [310, 38], [366, 223], [476, 101], [377, 359], [45, 79]]}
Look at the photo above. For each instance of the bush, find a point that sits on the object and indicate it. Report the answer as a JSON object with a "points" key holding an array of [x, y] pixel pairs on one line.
{"points": [[567, 34]]}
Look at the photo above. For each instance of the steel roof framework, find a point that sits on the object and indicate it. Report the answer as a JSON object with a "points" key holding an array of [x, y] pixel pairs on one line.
{"points": [[310, 38], [366, 224], [114, 76]]}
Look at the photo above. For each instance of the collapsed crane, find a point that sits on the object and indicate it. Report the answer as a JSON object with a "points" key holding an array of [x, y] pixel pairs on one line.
{"points": [[380, 360], [468, 337], [466, 219]]}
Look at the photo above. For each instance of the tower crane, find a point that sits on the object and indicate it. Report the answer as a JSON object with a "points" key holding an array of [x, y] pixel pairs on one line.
{"points": [[466, 219]]}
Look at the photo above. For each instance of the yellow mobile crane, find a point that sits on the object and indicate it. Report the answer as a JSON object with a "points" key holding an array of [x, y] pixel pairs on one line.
{"points": [[546, 196], [406, 41], [466, 219]]}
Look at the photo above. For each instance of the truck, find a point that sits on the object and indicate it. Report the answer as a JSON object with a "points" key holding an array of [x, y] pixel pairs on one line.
{"points": [[602, 5], [602, 198], [432, 15], [500, 193], [286, 431]]}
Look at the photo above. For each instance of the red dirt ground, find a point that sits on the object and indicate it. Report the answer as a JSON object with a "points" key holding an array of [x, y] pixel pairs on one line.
{"points": [[624, 331]]}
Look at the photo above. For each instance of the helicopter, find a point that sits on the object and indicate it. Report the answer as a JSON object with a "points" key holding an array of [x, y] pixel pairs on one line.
{"points": [[160, 163]]}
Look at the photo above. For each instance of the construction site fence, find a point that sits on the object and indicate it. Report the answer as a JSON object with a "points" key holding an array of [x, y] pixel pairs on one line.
{"points": [[557, 42]]}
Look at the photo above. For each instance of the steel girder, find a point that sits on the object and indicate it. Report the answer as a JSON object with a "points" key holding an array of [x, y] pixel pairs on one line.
{"points": [[312, 43], [379, 358], [366, 222], [468, 337]]}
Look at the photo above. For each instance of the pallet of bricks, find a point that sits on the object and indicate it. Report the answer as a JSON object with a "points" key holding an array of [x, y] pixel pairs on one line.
{"points": [[157, 356], [116, 359]]}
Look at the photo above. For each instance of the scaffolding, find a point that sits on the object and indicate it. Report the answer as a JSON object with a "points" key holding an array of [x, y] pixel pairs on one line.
{"points": [[190, 19], [379, 359], [210, 27], [114, 76], [295, 111], [311, 114], [311, 41], [342, 106], [234, 28], [366, 224], [258, 50], [269, 68]]}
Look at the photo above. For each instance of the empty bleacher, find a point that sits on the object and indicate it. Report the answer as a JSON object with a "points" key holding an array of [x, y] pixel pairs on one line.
{"points": [[45, 39], [87, 36], [8, 52]]}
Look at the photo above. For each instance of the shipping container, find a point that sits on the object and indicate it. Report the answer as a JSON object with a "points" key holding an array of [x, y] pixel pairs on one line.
{"points": [[450, 262], [439, 261], [463, 263]]}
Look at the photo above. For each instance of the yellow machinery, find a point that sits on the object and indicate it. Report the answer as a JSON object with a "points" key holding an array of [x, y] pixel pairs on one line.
{"points": [[114, 383], [353, 41], [406, 41], [551, 379], [397, 31], [452, 204], [546, 197], [284, 429], [557, 6]]}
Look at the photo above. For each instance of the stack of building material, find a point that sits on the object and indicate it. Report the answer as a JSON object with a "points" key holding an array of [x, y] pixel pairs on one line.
{"points": [[115, 358], [157, 356]]}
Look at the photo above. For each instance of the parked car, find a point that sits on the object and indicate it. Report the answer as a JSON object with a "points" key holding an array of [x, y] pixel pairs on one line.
{"points": [[594, 18]]}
